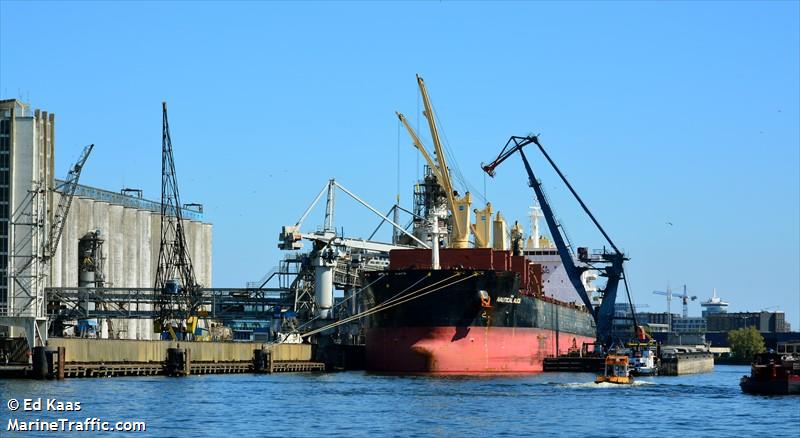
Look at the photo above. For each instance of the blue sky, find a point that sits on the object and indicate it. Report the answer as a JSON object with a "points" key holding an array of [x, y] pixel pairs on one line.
{"points": [[680, 112]]}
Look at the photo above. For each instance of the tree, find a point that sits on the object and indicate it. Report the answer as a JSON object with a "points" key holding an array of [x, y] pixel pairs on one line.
{"points": [[745, 342]]}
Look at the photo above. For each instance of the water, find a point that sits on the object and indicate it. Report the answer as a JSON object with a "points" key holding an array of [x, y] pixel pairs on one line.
{"points": [[361, 404]]}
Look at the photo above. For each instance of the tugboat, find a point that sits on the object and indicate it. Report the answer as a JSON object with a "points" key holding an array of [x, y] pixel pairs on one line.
{"points": [[773, 374], [643, 359], [616, 370]]}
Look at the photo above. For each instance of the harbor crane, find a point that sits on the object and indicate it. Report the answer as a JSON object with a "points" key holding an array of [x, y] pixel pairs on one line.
{"points": [[335, 260], [608, 262], [175, 279], [67, 190]]}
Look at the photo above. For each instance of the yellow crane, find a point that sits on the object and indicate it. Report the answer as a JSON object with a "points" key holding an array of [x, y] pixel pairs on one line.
{"points": [[459, 206]]}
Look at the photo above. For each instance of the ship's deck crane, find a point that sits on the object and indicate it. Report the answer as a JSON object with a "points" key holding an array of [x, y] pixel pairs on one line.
{"points": [[611, 261], [459, 206]]}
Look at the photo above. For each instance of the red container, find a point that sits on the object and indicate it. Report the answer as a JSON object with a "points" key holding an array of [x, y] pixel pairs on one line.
{"points": [[409, 259], [467, 258]]}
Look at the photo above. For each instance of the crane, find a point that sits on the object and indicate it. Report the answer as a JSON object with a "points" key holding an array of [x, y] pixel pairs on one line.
{"points": [[175, 279], [67, 190], [459, 206], [685, 298], [612, 261]]}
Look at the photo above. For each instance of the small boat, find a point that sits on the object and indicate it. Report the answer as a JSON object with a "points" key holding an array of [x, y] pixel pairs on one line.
{"points": [[643, 358], [616, 370], [773, 374]]}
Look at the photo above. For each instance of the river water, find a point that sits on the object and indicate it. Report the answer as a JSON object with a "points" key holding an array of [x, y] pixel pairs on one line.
{"points": [[362, 404]]}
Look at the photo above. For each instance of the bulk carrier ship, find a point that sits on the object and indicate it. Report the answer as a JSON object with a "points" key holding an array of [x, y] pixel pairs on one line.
{"points": [[483, 311], [471, 307]]}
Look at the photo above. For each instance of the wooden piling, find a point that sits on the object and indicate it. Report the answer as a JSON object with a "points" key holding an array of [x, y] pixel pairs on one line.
{"points": [[188, 363], [270, 363], [62, 360]]}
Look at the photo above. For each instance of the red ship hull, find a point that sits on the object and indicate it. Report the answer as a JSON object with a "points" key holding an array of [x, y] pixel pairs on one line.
{"points": [[465, 350]]}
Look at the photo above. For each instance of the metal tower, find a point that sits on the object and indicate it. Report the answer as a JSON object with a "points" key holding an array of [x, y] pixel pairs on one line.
{"points": [[175, 280]]}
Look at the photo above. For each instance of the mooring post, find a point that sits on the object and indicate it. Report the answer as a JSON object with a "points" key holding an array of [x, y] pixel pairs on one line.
{"points": [[62, 360], [188, 363], [40, 363], [259, 359]]}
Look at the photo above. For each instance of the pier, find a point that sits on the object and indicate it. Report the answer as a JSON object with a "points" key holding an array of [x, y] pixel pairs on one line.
{"points": [[77, 357]]}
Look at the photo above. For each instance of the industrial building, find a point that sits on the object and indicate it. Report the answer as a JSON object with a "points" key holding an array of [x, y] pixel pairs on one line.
{"points": [[765, 322], [26, 190], [128, 225], [131, 229]]}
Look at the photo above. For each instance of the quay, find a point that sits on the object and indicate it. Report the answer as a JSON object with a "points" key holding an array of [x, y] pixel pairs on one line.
{"points": [[80, 357], [674, 361], [677, 362]]}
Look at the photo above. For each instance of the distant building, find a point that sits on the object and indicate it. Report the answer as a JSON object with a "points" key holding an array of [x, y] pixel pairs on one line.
{"points": [[657, 328], [765, 322], [655, 317], [713, 326], [690, 324], [655, 322]]}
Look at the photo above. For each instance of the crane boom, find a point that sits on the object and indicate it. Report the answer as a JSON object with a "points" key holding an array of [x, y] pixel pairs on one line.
{"points": [[459, 206], [65, 202], [573, 272], [418, 144], [437, 145]]}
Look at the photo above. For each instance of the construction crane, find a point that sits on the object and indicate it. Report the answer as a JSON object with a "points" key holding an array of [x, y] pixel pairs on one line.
{"points": [[67, 190], [609, 263], [684, 298], [459, 206], [175, 279]]}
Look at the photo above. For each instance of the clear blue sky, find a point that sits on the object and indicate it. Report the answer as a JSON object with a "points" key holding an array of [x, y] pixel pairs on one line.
{"points": [[658, 112]]}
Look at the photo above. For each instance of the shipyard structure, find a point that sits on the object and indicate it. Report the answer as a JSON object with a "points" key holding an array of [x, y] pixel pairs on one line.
{"points": [[108, 239]]}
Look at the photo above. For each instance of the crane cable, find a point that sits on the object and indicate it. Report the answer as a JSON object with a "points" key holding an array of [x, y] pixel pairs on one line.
{"points": [[368, 285], [389, 304], [455, 169], [379, 307]]}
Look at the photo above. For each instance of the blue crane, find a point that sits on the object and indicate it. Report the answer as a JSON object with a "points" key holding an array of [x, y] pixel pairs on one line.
{"points": [[609, 263]]}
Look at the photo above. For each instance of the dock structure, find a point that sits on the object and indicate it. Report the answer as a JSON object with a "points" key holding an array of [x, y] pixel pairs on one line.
{"points": [[670, 364], [680, 363], [77, 357]]}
